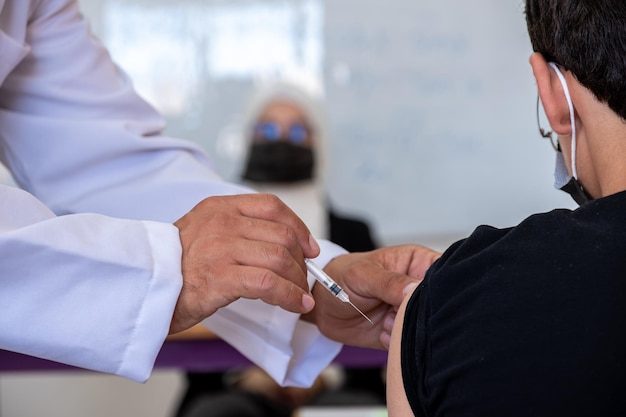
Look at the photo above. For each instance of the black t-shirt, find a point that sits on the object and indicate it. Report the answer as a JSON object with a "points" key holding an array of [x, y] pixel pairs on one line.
{"points": [[526, 321]]}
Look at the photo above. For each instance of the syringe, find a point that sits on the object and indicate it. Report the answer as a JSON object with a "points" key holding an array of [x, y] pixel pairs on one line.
{"points": [[328, 283]]}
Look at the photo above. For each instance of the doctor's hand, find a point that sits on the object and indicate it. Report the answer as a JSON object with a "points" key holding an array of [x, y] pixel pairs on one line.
{"points": [[250, 246], [376, 282]]}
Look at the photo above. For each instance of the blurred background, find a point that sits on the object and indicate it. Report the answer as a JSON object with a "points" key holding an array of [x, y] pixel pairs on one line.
{"points": [[429, 121], [430, 106]]}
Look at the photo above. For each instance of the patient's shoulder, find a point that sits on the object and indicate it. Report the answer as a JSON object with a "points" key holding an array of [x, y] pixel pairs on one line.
{"points": [[397, 402]]}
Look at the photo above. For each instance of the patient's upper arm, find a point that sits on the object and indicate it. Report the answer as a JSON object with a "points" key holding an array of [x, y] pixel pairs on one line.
{"points": [[397, 402]]}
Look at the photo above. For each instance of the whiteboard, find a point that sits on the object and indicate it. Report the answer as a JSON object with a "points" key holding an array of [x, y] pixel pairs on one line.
{"points": [[432, 115], [430, 105]]}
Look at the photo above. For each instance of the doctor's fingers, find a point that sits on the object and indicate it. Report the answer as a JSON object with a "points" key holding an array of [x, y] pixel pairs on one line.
{"points": [[258, 254], [410, 259], [247, 208], [363, 274], [214, 277], [205, 290], [388, 321], [252, 282], [400, 268], [370, 279], [246, 240]]}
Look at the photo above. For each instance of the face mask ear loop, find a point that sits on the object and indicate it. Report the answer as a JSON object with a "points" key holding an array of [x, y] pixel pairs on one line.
{"points": [[571, 116]]}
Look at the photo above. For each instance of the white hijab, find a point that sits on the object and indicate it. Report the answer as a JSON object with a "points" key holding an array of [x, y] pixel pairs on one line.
{"points": [[306, 198]]}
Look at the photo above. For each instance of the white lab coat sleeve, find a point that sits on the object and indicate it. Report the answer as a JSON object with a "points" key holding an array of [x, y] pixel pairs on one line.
{"points": [[74, 133], [71, 295], [291, 351], [76, 136]]}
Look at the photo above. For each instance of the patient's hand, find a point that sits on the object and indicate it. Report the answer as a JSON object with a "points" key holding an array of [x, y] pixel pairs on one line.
{"points": [[376, 282]]}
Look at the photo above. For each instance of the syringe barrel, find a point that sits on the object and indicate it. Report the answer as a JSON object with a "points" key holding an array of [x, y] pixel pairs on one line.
{"points": [[323, 278]]}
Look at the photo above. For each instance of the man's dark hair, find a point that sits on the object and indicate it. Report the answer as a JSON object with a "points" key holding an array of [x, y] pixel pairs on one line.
{"points": [[586, 37]]}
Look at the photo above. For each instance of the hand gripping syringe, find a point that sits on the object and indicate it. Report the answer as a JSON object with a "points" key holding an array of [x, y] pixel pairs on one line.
{"points": [[328, 283]]}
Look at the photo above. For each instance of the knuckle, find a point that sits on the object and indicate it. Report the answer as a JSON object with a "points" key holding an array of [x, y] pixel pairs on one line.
{"points": [[272, 203], [291, 293], [279, 256], [273, 200], [208, 202], [265, 282], [286, 235]]}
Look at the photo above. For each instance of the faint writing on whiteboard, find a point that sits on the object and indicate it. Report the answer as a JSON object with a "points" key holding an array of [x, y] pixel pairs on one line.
{"points": [[453, 44]]}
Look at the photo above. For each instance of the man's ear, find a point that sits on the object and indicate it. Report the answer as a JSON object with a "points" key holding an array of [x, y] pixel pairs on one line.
{"points": [[552, 95]]}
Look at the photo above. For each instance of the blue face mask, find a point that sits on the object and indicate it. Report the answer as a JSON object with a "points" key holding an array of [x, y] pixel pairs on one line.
{"points": [[562, 180]]}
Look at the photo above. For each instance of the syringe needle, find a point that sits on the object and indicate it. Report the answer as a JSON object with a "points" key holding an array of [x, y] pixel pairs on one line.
{"points": [[357, 309]]}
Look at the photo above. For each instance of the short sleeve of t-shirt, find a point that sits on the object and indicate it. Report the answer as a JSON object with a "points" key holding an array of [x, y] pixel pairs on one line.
{"points": [[526, 321]]}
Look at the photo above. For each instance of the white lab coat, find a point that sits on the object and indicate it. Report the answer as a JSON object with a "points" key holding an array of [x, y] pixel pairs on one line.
{"points": [[89, 259]]}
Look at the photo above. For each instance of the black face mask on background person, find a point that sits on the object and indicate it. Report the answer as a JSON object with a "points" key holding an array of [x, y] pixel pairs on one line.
{"points": [[279, 161]]}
